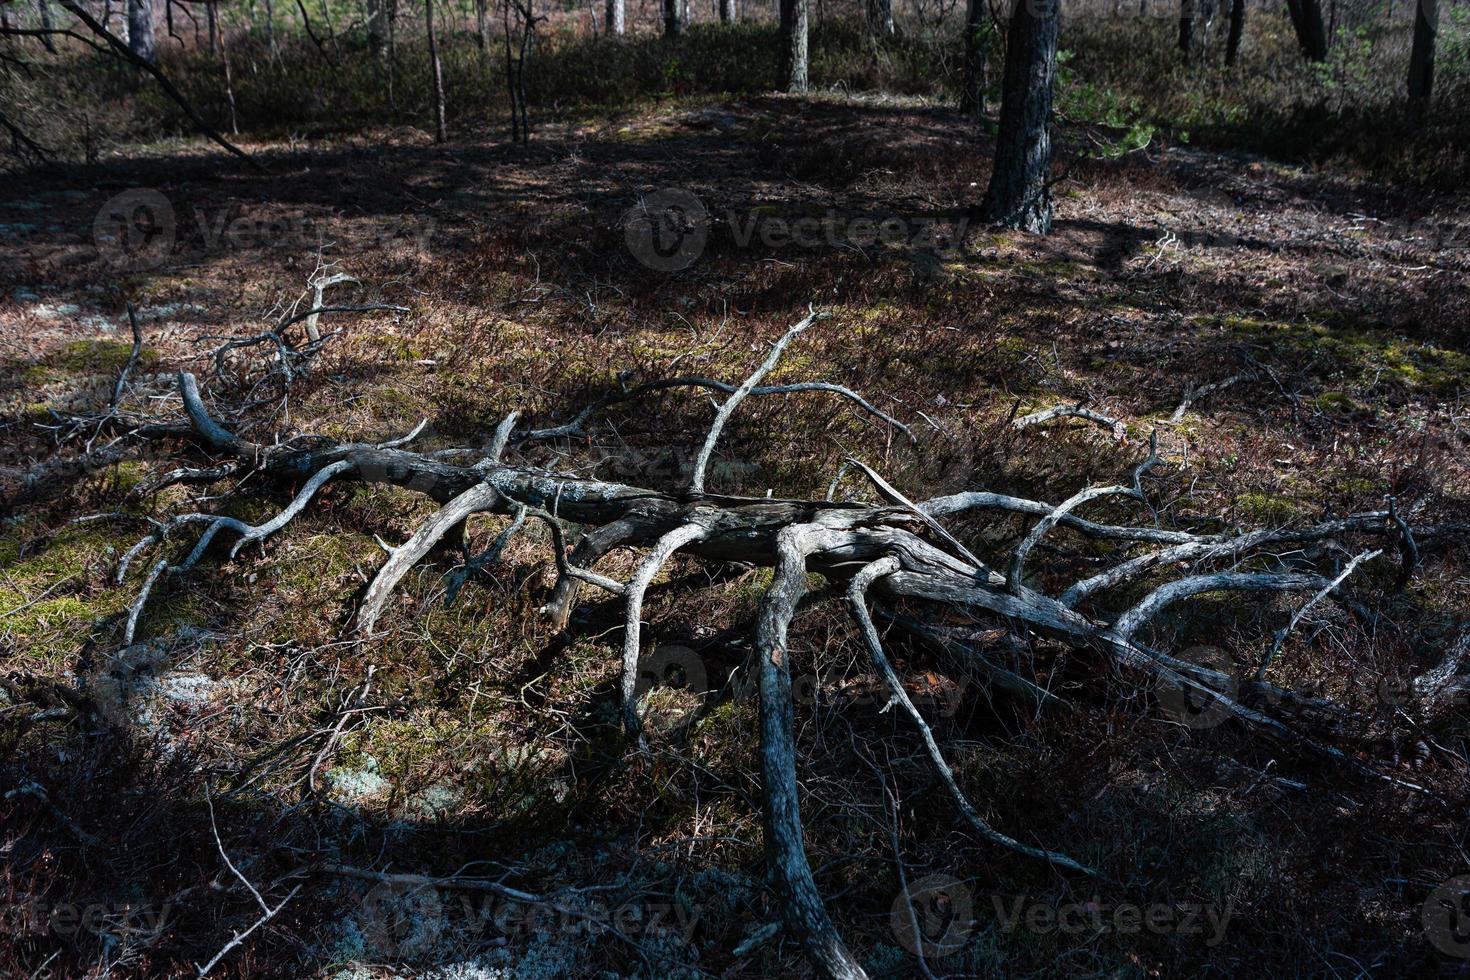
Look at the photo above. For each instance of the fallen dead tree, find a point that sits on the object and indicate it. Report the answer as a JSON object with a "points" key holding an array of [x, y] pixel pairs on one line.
{"points": [[886, 554]]}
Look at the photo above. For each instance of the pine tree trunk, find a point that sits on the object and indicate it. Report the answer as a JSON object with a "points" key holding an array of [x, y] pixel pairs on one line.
{"points": [[140, 28], [794, 45], [880, 17], [270, 26], [1311, 32], [972, 93], [1018, 196], [212, 25], [1237, 29], [436, 82], [727, 11], [617, 17], [1421, 58], [673, 21]]}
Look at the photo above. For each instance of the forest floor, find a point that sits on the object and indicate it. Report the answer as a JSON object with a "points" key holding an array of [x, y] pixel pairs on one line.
{"points": [[476, 740]]}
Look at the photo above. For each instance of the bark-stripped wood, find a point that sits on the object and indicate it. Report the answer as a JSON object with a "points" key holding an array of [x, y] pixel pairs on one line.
{"points": [[891, 553]]}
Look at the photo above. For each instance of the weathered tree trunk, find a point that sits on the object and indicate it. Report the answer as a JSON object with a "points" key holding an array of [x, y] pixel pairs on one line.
{"points": [[270, 26], [212, 26], [727, 11], [977, 67], [482, 25], [1186, 27], [1421, 58], [1019, 195], [436, 79], [617, 17], [140, 29], [47, 24], [794, 46], [673, 18], [1237, 30], [1311, 31]]}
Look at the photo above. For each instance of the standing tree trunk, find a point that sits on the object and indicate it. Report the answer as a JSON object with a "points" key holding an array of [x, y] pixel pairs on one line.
{"points": [[436, 80], [140, 29], [482, 25], [727, 11], [1311, 32], [1421, 58], [1237, 28], [376, 26], [44, 7], [1186, 27], [211, 20], [880, 17], [673, 21], [977, 68], [1019, 196], [270, 26], [617, 17], [794, 45]]}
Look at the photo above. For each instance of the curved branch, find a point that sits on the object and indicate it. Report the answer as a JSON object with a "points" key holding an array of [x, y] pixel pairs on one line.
{"points": [[663, 549], [477, 498], [1018, 559], [696, 481], [1297, 616], [857, 602], [1166, 595]]}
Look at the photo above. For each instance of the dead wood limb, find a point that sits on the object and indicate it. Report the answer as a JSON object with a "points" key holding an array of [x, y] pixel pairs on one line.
{"points": [[476, 499], [133, 355], [1166, 595], [594, 545], [1296, 617], [658, 555], [578, 425], [696, 480], [801, 902], [1073, 411], [895, 550], [1442, 685], [1015, 572], [857, 599], [1194, 393]]}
